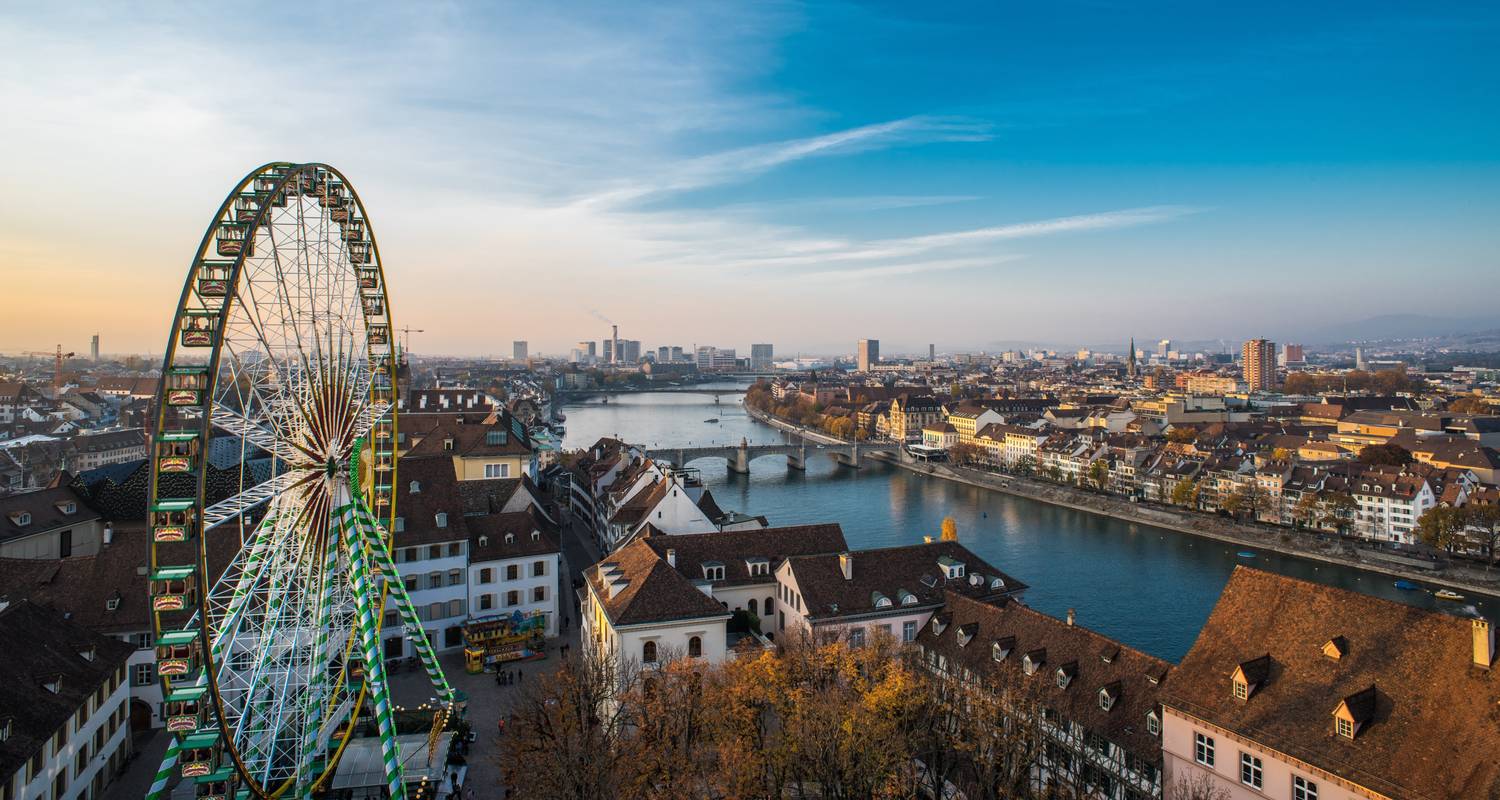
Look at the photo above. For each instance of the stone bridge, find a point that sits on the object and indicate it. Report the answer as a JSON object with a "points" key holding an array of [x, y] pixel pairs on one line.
{"points": [[795, 449]]}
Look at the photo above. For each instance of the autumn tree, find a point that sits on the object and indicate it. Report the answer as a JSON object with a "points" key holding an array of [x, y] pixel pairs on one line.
{"points": [[950, 530], [1469, 404], [563, 731], [1195, 786], [1185, 493], [1442, 527], [1336, 510], [1181, 434], [1098, 473]]}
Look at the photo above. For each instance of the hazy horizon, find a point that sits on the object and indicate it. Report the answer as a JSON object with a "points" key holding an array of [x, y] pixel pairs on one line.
{"points": [[800, 174]]}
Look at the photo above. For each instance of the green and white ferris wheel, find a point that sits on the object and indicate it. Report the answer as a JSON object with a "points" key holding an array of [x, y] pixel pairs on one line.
{"points": [[274, 443]]}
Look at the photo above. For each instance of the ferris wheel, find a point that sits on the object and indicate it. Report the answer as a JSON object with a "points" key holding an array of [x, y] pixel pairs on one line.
{"points": [[273, 458]]}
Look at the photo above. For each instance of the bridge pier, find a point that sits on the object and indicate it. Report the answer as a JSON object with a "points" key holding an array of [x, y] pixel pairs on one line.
{"points": [[851, 459], [679, 462], [797, 460], [740, 464]]}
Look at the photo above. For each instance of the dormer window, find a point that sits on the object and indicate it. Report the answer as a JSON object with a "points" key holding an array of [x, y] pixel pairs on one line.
{"points": [[966, 633], [536, 535], [938, 625], [21, 518], [1353, 712], [997, 583], [713, 571], [415, 487], [68, 507], [879, 600], [1065, 674], [484, 541], [86, 654], [1033, 661], [113, 603], [1153, 723], [999, 650], [5, 728], [448, 443], [53, 685], [510, 538], [1106, 699], [495, 437], [1336, 647], [1248, 676], [906, 598], [441, 519]]}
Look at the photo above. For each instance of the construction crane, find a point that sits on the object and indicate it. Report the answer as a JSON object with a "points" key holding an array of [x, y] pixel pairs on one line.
{"points": [[406, 342], [57, 366]]}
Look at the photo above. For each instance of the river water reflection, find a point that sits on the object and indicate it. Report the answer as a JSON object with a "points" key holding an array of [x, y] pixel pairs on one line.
{"points": [[1150, 588]]}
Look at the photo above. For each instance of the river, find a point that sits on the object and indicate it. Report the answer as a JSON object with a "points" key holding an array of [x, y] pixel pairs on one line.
{"points": [[1147, 587]]}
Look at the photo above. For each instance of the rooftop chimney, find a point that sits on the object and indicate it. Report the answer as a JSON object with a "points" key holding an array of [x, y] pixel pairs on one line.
{"points": [[671, 557], [109, 534], [1484, 643], [846, 566], [1071, 616]]}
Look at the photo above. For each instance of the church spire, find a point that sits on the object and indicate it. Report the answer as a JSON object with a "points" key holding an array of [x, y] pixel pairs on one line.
{"points": [[1131, 370]]}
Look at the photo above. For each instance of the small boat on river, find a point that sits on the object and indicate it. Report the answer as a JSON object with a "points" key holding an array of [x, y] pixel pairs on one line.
{"points": [[1246, 554], [1447, 594], [712, 420], [1406, 586]]}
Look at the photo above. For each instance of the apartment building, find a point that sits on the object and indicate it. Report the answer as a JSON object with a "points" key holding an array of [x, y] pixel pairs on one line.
{"points": [[64, 719]]}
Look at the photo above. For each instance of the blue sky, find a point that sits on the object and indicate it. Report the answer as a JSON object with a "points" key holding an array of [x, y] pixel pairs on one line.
{"points": [[805, 174]]}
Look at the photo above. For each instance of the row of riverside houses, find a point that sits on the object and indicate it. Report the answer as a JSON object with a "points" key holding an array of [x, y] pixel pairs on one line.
{"points": [[1292, 690], [614, 489], [1290, 464]]}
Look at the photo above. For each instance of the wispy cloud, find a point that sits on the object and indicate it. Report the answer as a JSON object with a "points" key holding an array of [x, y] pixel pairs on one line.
{"points": [[739, 164]]}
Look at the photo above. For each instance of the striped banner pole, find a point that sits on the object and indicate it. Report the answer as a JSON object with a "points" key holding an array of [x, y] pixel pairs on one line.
{"points": [[315, 697], [369, 631], [168, 766], [381, 555]]}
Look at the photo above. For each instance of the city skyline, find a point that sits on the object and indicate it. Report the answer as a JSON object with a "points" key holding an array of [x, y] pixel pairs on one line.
{"points": [[813, 170]]}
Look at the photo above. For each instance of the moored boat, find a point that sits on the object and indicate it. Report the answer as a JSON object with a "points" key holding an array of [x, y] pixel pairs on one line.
{"points": [[1447, 594]]}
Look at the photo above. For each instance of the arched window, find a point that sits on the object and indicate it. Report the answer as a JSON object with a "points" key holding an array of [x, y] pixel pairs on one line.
{"points": [[768, 606], [648, 653], [753, 606], [695, 647]]}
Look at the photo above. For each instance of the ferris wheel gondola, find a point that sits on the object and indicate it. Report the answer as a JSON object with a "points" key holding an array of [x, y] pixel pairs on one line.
{"points": [[279, 372]]}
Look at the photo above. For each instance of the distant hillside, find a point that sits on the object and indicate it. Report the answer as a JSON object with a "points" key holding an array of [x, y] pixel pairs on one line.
{"points": [[1399, 326]]}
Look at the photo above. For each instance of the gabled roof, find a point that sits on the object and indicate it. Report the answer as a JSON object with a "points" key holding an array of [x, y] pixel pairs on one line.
{"points": [[735, 549], [1432, 730], [649, 590], [530, 534], [891, 570]]}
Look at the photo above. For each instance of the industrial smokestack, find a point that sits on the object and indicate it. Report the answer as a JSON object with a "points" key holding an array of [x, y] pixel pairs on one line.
{"points": [[614, 336]]}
